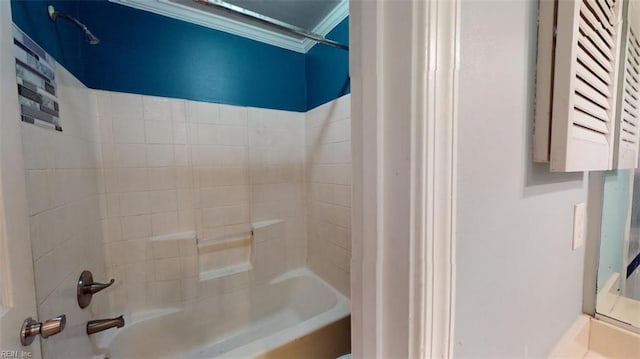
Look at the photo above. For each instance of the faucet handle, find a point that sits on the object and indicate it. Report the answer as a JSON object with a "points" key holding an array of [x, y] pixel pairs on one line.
{"points": [[31, 328], [87, 288], [95, 287]]}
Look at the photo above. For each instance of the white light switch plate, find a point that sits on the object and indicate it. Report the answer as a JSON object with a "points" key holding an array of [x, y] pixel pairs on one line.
{"points": [[579, 214]]}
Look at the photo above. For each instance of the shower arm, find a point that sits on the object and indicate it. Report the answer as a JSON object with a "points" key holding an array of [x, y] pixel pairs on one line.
{"points": [[54, 14], [272, 22]]}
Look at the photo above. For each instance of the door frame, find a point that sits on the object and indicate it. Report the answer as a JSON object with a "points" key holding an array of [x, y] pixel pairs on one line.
{"points": [[404, 62]]}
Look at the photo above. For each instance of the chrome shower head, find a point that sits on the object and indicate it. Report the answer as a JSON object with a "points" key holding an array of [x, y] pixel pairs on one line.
{"points": [[93, 40], [53, 15]]}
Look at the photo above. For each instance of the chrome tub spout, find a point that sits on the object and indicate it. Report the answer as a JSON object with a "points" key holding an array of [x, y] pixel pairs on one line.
{"points": [[96, 326]]}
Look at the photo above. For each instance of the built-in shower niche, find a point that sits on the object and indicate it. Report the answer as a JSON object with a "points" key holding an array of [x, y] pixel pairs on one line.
{"points": [[226, 256], [259, 251]]}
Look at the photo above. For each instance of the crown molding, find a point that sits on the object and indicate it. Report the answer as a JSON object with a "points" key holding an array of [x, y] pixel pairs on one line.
{"points": [[339, 13], [185, 13]]}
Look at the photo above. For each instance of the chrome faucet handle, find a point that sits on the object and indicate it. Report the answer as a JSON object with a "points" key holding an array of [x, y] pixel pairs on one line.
{"points": [[95, 287], [87, 288], [31, 329]]}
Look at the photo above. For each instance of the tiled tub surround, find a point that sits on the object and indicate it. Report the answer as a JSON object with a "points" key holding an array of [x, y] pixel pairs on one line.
{"points": [[65, 195], [176, 168], [328, 142], [213, 213]]}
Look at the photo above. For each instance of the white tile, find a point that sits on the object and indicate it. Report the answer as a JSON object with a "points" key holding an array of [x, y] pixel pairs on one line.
{"points": [[233, 115], [104, 105], [163, 201], [35, 143], [126, 130], [113, 204], [179, 132], [158, 132], [106, 130], [108, 155], [178, 110], [168, 291], [186, 220], [125, 105], [160, 155], [188, 248], [38, 190], [206, 134], [168, 268], [231, 135], [133, 179], [182, 155], [136, 226], [136, 251], [212, 217], [136, 273], [133, 203], [45, 275], [111, 183], [130, 155], [41, 234], [156, 108], [235, 215], [164, 223], [114, 230], [165, 249], [162, 178], [184, 177], [203, 112]]}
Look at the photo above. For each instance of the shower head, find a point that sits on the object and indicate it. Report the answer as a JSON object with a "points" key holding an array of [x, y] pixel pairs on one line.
{"points": [[53, 15], [93, 40]]}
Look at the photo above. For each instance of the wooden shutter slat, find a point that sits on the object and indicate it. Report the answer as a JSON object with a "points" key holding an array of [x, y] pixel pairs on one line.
{"points": [[589, 135], [599, 84], [596, 55], [599, 14], [592, 65], [593, 19], [587, 121], [591, 108], [597, 40], [595, 96]]}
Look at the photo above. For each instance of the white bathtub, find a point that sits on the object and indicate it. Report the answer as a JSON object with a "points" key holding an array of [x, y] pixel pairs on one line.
{"points": [[241, 324]]}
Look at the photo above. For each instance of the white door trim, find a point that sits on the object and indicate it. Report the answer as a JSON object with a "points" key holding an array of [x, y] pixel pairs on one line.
{"points": [[403, 65]]}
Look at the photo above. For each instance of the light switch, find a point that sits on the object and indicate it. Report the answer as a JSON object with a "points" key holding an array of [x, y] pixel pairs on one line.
{"points": [[579, 214]]}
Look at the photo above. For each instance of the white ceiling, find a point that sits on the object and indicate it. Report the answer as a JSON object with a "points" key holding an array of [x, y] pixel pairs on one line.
{"points": [[319, 16]]}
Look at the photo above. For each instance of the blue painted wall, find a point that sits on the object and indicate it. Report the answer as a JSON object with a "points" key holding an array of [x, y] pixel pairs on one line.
{"points": [[145, 53], [327, 71]]}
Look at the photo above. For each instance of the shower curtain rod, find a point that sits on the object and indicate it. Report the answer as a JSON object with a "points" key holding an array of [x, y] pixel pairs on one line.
{"points": [[272, 22]]}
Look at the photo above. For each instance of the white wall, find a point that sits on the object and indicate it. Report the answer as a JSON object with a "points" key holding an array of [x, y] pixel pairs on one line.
{"points": [[519, 284], [328, 143], [64, 191]]}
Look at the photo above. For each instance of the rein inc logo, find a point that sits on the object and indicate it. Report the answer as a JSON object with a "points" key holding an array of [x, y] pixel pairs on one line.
{"points": [[15, 354]]}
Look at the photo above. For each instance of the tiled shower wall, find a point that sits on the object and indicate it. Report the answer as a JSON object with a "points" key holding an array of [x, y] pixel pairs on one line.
{"points": [[149, 193], [328, 143], [64, 194], [175, 166]]}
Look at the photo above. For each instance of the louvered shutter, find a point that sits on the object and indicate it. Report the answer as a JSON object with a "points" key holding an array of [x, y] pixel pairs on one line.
{"points": [[629, 101], [582, 84]]}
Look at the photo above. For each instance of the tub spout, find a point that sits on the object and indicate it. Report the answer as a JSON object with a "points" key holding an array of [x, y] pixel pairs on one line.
{"points": [[96, 326]]}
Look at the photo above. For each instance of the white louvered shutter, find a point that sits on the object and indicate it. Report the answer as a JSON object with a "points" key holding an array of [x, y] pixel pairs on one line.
{"points": [[629, 102], [583, 83]]}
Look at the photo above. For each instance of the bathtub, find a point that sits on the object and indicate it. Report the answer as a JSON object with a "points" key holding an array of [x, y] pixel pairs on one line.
{"points": [[242, 324]]}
